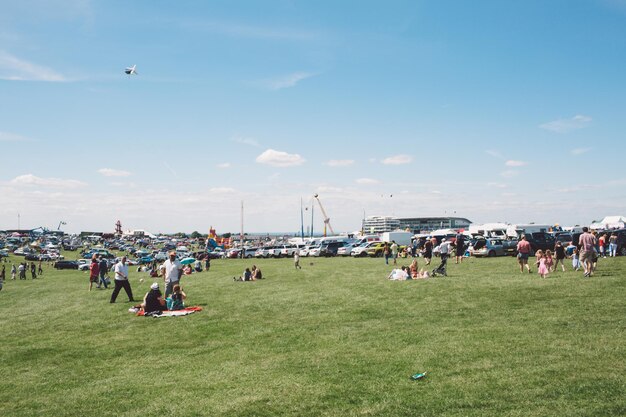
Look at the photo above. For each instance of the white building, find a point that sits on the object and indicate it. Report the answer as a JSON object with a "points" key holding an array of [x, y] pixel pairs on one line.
{"points": [[380, 224]]}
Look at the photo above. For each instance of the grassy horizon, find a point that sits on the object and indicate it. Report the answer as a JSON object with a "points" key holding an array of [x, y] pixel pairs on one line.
{"points": [[333, 339]]}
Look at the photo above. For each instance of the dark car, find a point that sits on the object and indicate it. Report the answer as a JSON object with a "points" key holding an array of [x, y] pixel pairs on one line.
{"points": [[567, 237], [31, 257], [66, 265], [540, 240], [330, 248]]}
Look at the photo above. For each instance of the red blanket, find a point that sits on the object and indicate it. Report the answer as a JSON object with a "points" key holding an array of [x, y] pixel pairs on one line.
{"points": [[184, 312]]}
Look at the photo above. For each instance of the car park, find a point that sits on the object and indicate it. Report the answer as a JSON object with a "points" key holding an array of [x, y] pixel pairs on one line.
{"points": [[346, 249]]}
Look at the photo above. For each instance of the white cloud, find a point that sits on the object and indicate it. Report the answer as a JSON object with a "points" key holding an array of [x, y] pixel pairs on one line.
{"points": [[12, 137], [579, 151], [109, 172], [565, 125], [32, 180], [288, 81], [221, 190], [15, 69], [367, 181], [512, 163], [509, 173], [495, 154], [340, 162], [279, 158], [397, 160], [496, 185], [224, 165], [247, 141]]}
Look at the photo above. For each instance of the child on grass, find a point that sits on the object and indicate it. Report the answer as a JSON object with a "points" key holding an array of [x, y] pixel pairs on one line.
{"points": [[542, 269], [177, 298], [576, 260], [549, 260]]}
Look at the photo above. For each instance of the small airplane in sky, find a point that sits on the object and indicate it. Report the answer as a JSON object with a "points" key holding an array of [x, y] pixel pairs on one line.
{"points": [[131, 70]]}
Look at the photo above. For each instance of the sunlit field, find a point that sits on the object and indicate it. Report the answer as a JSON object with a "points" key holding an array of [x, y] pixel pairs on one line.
{"points": [[333, 339]]}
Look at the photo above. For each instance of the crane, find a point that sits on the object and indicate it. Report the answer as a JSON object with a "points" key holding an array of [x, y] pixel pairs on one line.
{"points": [[326, 218]]}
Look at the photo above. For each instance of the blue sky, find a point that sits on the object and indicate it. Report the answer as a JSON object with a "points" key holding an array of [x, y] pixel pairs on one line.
{"points": [[490, 110]]}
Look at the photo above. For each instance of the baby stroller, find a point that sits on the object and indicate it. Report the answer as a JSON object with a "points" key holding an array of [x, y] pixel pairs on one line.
{"points": [[441, 269]]}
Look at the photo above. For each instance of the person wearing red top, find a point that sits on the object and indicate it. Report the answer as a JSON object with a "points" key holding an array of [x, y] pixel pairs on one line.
{"points": [[523, 252], [94, 272]]}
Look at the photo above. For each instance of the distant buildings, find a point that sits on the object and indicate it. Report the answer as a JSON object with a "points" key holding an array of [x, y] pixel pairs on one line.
{"points": [[381, 224]]}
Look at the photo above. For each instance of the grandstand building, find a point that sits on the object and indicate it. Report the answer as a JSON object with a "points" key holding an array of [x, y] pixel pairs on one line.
{"points": [[381, 224]]}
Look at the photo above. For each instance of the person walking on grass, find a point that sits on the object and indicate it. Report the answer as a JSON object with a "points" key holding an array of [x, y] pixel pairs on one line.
{"points": [[394, 252], [386, 252], [459, 247], [39, 269], [296, 259], [94, 273], [103, 267], [559, 256], [121, 280], [33, 270], [587, 243], [13, 272], [523, 252]]}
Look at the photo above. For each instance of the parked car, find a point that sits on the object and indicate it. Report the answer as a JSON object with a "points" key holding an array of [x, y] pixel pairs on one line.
{"points": [[31, 257], [346, 249], [487, 247], [375, 249], [567, 237], [315, 250], [66, 265], [4, 254], [361, 250], [330, 248], [249, 252], [540, 240], [287, 251]]}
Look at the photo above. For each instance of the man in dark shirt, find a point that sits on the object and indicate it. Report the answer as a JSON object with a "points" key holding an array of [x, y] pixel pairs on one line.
{"points": [[104, 268], [153, 302]]}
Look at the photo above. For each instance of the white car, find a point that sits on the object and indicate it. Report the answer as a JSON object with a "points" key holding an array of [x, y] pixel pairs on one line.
{"points": [[315, 250], [346, 250], [361, 250]]}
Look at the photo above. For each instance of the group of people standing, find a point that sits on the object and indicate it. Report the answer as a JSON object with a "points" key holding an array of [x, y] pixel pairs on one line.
{"points": [[22, 269]]}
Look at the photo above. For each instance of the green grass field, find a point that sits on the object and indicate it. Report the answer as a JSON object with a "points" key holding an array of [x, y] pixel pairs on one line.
{"points": [[334, 339]]}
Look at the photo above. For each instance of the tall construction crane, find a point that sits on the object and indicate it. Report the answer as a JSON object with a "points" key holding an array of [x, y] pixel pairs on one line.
{"points": [[326, 218]]}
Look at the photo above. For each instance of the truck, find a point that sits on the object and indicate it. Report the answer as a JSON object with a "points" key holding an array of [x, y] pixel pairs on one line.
{"points": [[401, 237]]}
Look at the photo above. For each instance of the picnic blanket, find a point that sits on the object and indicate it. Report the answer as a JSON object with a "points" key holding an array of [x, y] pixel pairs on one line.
{"points": [[184, 312]]}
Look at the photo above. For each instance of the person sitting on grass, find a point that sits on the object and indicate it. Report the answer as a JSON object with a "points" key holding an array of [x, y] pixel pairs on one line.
{"points": [[187, 269], [414, 269], [247, 276], [153, 302], [177, 299], [256, 273]]}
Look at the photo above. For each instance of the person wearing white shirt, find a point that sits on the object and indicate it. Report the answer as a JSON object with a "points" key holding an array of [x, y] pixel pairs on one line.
{"points": [[121, 280], [171, 270]]}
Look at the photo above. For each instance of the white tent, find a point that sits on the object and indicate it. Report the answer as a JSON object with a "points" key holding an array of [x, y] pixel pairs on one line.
{"points": [[609, 222]]}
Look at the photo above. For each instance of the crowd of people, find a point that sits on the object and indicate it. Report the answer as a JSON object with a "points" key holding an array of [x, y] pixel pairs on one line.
{"points": [[584, 255]]}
